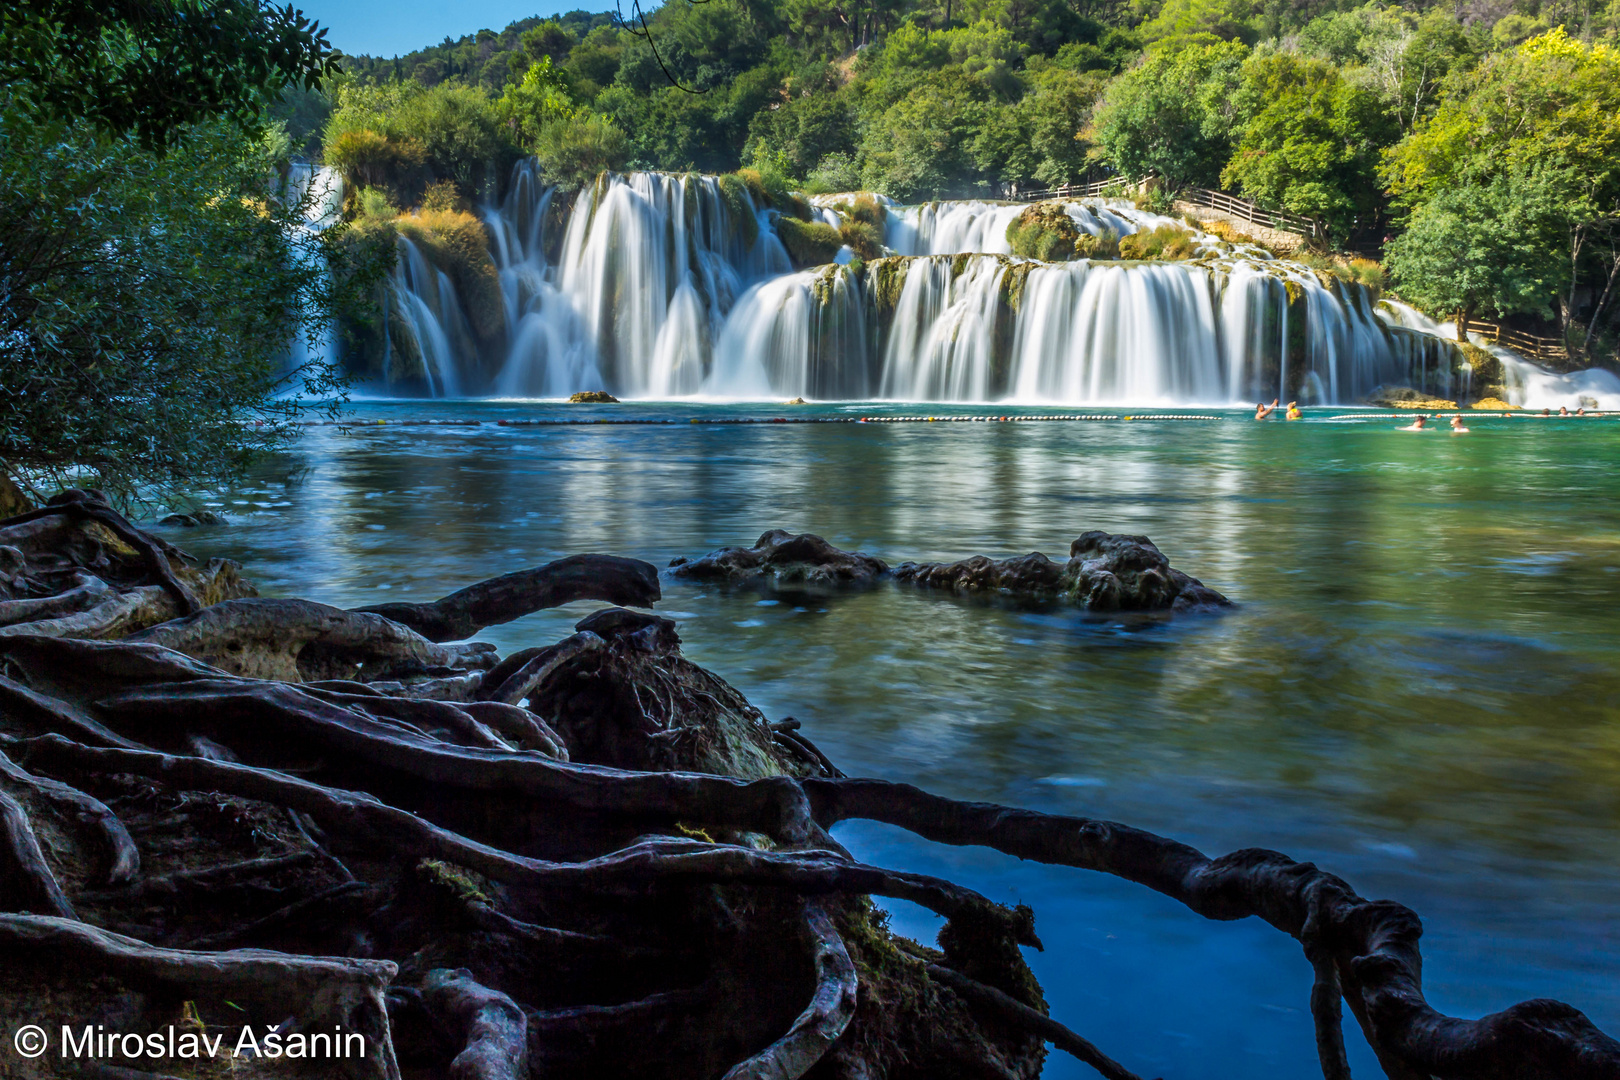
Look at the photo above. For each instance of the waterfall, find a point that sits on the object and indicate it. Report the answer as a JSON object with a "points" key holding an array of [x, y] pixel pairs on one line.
{"points": [[663, 286], [318, 191]]}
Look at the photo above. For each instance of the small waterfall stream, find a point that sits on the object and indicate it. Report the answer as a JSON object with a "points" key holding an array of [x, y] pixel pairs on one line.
{"points": [[659, 286]]}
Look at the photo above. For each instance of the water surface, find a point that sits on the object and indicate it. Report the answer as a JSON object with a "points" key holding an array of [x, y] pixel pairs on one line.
{"points": [[1419, 691]]}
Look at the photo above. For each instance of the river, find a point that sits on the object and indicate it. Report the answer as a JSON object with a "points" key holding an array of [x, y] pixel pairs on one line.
{"points": [[1418, 691]]}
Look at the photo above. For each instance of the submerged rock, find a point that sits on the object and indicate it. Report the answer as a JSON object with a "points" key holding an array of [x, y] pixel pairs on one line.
{"points": [[592, 397], [785, 558]]}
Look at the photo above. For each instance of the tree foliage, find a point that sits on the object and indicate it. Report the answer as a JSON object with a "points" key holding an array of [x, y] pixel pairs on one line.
{"points": [[150, 304], [152, 67]]}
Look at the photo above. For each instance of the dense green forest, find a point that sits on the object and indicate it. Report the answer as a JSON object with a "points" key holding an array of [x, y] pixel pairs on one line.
{"points": [[1481, 136]]}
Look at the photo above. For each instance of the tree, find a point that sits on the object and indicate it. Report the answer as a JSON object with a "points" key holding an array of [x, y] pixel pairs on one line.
{"points": [[152, 67], [1309, 139], [1482, 246], [1170, 115], [150, 305], [1544, 116], [574, 152]]}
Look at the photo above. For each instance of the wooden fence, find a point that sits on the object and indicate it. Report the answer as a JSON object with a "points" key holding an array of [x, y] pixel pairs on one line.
{"points": [[1533, 346], [1245, 209]]}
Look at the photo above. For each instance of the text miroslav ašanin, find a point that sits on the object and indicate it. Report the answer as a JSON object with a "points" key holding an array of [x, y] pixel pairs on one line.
{"points": [[96, 1042]]}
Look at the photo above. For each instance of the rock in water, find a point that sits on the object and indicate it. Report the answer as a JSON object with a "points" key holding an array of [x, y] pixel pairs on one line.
{"points": [[784, 558], [1105, 572], [592, 397]]}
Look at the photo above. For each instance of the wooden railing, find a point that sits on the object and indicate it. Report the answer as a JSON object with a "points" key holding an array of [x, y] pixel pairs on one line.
{"points": [[1253, 212], [1533, 346], [1245, 209], [1117, 185]]}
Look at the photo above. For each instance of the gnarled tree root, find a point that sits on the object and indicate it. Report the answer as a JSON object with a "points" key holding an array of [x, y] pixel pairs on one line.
{"points": [[324, 992], [511, 596], [494, 1028], [1372, 943], [823, 1020]]}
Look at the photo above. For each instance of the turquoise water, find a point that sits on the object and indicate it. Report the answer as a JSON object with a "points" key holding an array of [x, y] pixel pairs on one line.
{"points": [[1420, 690]]}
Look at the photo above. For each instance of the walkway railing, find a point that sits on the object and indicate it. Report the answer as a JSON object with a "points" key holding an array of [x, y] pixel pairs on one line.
{"points": [[1244, 209], [1532, 345]]}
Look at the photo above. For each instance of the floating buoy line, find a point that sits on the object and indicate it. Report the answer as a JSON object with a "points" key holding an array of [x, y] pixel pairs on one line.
{"points": [[1058, 418], [622, 422]]}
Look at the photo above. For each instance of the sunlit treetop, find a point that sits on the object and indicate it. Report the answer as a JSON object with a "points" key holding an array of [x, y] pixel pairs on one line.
{"points": [[148, 68]]}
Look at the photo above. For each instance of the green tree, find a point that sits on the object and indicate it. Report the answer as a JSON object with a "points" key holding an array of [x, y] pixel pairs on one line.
{"points": [[1171, 115], [150, 302], [574, 152], [1309, 139], [1549, 109], [1481, 247], [152, 67]]}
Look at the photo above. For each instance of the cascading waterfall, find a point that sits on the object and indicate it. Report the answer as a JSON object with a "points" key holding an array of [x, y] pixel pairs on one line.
{"points": [[656, 285], [319, 190]]}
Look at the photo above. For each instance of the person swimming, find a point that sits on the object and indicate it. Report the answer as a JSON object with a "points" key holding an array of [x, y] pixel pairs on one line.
{"points": [[1416, 424], [1457, 426], [1263, 412], [1293, 411], [1563, 410]]}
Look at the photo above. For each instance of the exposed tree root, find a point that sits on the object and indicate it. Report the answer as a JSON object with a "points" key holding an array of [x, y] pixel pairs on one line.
{"points": [[511, 596], [495, 1029], [297, 641], [1038, 1022], [823, 1020], [323, 993], [26, 880], [124, 860], [629, 876]]}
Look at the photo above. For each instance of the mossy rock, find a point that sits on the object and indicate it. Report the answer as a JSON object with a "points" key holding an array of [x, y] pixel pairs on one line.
{"points": [[1494, 404], [808, 243], [592, 397], [1045, 231], [12, 499], [740, 211], [458, 244], [1487, 368], [1404, 397], [888, 281], [1167, 242]]}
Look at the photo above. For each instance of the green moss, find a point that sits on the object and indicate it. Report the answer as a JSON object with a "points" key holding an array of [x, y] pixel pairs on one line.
{"points": [[1044, 231], [1165, 242], [888, 280], [1012, 285], [466, 885], [808, 243], [740, 208], [1487, 368], [458, 244], [864, 238]]}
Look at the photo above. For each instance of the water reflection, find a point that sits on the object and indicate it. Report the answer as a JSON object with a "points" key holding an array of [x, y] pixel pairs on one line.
{"points": [[1419, 691]]}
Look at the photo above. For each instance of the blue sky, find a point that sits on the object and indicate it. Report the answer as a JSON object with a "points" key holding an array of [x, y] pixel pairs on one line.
{"points": [[393, 27]]}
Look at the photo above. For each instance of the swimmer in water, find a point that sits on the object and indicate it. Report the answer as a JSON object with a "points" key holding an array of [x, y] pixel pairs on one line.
{"points": [[1416, 424], [1263, 412], [1457, 426], [1293, 411], [1563, 410]]}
